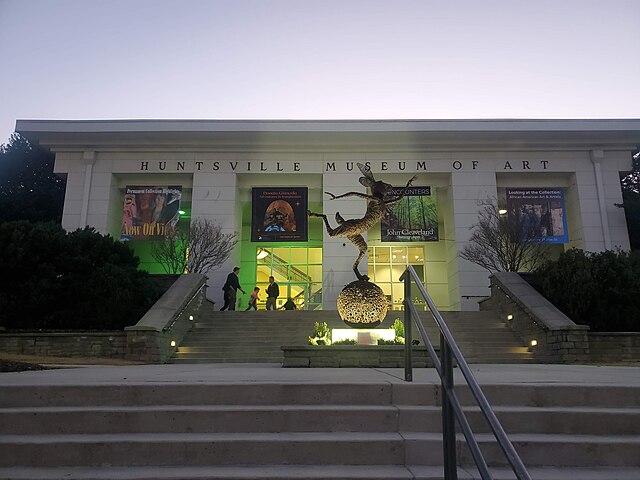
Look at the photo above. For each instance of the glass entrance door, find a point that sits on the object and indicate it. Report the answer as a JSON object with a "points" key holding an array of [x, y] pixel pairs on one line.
{"points": [[296, 270]]}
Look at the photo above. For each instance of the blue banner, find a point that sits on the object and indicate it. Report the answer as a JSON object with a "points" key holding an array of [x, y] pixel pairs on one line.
{"points": [[539, 213]]}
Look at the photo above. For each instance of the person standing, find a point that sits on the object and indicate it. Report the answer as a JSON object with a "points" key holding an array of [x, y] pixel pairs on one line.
{"points": [[273, 292], [230, 288]]}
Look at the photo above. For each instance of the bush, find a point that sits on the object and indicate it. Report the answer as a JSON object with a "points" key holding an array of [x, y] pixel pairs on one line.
{"points": [[345, 341], [80, 280], [596, 289]]}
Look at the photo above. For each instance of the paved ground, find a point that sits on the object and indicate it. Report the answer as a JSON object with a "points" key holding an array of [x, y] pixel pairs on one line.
{"points": [[248, 373]]}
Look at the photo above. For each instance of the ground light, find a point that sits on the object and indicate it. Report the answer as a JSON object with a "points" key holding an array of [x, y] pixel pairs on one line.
{"points": [[509, 317], [363, 336], [534, 343], [173, 343], [502, 211]]}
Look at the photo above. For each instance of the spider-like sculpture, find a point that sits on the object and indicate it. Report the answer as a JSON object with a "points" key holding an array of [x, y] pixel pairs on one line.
{"points": [[378, 203]]}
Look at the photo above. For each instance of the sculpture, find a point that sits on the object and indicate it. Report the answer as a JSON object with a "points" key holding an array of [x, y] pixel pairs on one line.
{"points": [[378, 204]]}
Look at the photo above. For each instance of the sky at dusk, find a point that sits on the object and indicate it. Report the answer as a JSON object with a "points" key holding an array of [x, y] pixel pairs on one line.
{"points": [[318, 59]]}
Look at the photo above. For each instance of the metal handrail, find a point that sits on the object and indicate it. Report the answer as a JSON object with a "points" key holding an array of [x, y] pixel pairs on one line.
{"points": [[451, 406]]}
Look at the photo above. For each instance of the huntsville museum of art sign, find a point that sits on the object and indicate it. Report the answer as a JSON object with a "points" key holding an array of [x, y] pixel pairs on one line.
{"points": [[335, 167]]}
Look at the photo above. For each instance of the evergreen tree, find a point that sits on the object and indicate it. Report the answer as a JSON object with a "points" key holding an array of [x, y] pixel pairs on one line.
{"points": [[29, 190]]}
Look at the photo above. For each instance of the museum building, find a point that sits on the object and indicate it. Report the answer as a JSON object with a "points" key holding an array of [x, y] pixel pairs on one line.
{"points": [[134, 179]]}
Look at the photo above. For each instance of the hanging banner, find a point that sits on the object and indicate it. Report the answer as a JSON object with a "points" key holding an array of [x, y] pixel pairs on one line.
{"points": [[539, 212], [149, 211], [279, 214], [413, 219]]}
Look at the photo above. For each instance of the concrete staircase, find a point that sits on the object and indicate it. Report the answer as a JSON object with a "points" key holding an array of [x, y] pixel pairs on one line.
{"points": [[305, 430], [256, 336]]}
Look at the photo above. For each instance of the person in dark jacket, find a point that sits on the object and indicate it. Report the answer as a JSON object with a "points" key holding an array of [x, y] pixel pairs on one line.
{"points": [[273, 291], [230, 288], [289, 305]]}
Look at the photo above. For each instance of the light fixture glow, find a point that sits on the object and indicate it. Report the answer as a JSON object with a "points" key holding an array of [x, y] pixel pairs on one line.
{"points": [[191, 317], [534, 342], [181, 212], [502, 211], [262, 254], [509, 317], [173, 343]]}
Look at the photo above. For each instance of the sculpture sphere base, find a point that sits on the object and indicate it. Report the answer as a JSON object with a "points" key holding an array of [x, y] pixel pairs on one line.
{"points": [[362, 304]]}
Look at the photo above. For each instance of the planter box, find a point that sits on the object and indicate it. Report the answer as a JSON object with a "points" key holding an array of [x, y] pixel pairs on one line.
{"points": [[365, 356]]}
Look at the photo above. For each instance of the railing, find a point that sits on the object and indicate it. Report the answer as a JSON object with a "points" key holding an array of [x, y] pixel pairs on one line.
{"points": [[290, 272], [451, 407]]}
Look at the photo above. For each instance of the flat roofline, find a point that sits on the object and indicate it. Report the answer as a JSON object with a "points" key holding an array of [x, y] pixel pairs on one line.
{"points": [[386, 125]]}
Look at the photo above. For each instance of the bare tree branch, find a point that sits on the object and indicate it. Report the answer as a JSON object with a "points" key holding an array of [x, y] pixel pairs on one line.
{"points": [[203, 248], [499, 243]]}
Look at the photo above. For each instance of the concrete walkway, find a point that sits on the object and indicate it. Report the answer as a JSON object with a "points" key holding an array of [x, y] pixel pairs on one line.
{"points": [[251, 373]]}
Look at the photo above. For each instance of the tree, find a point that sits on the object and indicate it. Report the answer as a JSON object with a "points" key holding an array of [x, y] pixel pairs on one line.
{"points": [[52, 279], [200, 249], [597, 289], [29, 190], [500, 243]]}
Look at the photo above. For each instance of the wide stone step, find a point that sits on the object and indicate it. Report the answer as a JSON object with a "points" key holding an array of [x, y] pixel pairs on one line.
{"points": [[217, 472], [303, 472], [554, 395], [295, 418], [560, 450], [517, 419], [199, 419], [141, 449], [230, 393], [215, 360]]}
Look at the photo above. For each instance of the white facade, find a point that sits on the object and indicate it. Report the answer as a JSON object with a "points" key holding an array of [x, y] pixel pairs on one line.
{"points": [[466, 162]]}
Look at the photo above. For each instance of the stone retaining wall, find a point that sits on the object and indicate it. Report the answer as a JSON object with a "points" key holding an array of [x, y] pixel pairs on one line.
{"points": [[611, 347], [149, 341], [66, 344]]}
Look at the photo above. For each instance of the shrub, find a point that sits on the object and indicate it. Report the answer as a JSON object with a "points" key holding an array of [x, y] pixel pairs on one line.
{"points": [[596, 289], [80, 280], [345, 341], [322, 334]]}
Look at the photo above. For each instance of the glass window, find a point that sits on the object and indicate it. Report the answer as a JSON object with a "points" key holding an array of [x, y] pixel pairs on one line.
{"points": [[399, 255], [315, 256], [280, 255], [315, 273], [381, 255], [298, 256], [420, 271], [298, 280], [382, 273], [387, 264], [416, 255], [263, 272]]}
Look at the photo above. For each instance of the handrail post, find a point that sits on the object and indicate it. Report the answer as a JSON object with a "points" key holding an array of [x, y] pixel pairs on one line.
{"points": [[448, 418], [408, 362]]}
